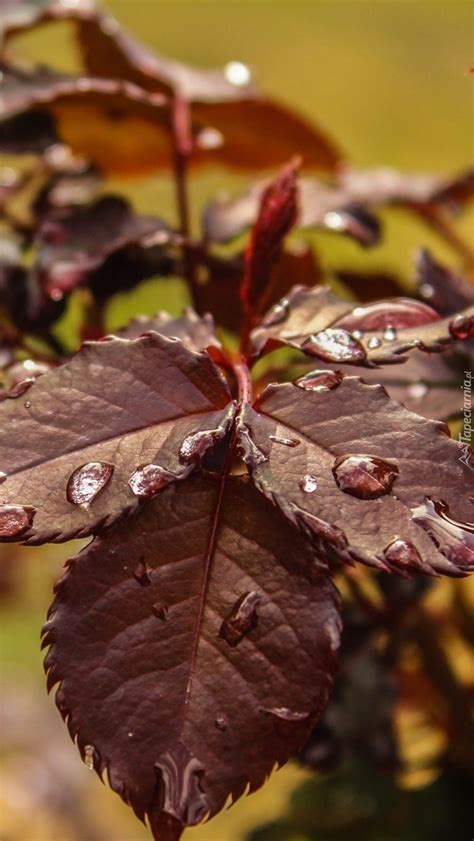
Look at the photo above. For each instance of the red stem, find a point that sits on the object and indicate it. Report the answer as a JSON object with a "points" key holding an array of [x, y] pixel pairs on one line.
{"points": [[244, 381], [183, 147]]}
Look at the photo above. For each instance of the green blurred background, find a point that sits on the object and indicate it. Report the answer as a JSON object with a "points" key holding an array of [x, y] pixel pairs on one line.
{"points": [[389, 80]]}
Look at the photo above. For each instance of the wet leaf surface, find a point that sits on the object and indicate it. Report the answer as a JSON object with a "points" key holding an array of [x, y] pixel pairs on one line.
{"points": [[122, 403], [146, 691]]}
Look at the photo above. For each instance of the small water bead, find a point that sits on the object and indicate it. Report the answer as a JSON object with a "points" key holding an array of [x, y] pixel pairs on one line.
{"points": [[27, 405], [278, 313], [89, 757], [462, 327], [426, 291], [320, 380], [308, 483], [390, 334], [242, 619], [454, 539], [364, 476], [417, 390], [286, 442], [160, 610], [147, 480], [237, 73], [334, 345], [358, 334], [86, 483], [221, 723], [374, 342], [403, 555], [210, 138], [3, 477], [285, 721], [15, 519], [142, 574]]}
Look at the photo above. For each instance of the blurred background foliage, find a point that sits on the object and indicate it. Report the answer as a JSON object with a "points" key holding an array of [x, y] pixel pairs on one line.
{"points": [[389, 80]]}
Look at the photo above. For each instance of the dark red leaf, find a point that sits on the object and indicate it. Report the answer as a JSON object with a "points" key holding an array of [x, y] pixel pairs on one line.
{"points": [[323, 325], [128, 404], [196, 332], [366, 477], [277, 215], [440, 287], [74, 245], [192, 687]]}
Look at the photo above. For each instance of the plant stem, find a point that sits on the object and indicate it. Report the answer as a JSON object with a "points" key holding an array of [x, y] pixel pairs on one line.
{"points": [[244, 381], [183, 147]]}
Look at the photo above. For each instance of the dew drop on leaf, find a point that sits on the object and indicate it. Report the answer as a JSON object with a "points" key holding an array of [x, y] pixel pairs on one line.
{"points": [[286, 442], [88, 481], [462, 327], [147, 480], [308, 484], [320, 380], [142, 574], [365, 477], [278, 313], [89, 757], [403, 555], [15, 519], [3, 477], [285, 720], [20, 388], [390, 334], [454, 539], [417, 390], [251, 453], [242, 619], [374, 342], [221, 723], [160, 610], [334, 345]]}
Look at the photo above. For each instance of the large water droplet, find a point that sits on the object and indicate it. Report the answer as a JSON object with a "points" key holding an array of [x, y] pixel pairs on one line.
{"points": [[221, 723], [462, 327], [160, 610], [88, 481], [285, 721], [388, 315], [15, 519], [180, 776], [89, 757], [308, 484], [334, 345], [248, 449], [403, 555], [365, 477], [278, 313], [454, 539], [148, 480], [196, 445], [142, 574], [242, 619], [286, 442], [320, 380]]}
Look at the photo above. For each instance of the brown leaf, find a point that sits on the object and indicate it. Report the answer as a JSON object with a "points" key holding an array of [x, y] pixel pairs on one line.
{"points": [[90, 439], [440, 287], [362, 475], [190, 688], [196, 332]]}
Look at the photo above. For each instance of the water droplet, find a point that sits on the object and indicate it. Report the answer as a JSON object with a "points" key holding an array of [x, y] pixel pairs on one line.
{"points": [[454, 539], [221, 723], [20, 388], [358, 334], [314, 526], [403, 555], [389, 333], [462, 327], [160, 610], [210, 138], [89, 757], [426, 291], [365, 477], [142, 574], [278, 313], [3, 477], [389, 314], [285, 721], [130, 735], [251, 454], [374, 342], [287, 442], [242, 619], [147, 480], [88, 481], [417, 390], [197, 444], [237, 73], [334, 221], [334, 346], [15, 519], [320, 380], [180, 775], [308, 484], [27, 405]]}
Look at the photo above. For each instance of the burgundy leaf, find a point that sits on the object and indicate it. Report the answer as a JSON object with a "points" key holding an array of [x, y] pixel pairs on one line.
{"points": [[95, 117], [277, 215], [320, 324], [73, 245], [190, 684], [116, 408], [196, 332], [364, 476], [440, 287]]}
